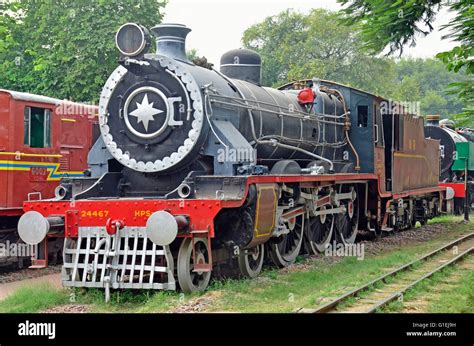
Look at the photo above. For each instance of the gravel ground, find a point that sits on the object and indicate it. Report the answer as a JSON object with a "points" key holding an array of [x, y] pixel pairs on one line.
{"points": [[388, 242], [68, 308], [23, 274], [197, 304], [397, 240]]}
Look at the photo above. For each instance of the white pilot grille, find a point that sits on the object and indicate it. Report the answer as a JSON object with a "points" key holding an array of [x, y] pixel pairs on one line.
{"points": [[125, 260]]}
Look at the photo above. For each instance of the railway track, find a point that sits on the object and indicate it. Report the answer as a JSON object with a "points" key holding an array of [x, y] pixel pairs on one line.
{"points": [[390, 287]]}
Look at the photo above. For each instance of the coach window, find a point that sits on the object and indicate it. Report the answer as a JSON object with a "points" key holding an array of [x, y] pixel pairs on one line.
{"points": [[37, 127], [362, 116]]}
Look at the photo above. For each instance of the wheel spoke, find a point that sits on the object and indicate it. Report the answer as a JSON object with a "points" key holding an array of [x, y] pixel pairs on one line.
{"points": [[287, 249], [318, 233]]}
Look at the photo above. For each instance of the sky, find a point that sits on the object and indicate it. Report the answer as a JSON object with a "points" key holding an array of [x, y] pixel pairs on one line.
{"points": [[217, 25]]}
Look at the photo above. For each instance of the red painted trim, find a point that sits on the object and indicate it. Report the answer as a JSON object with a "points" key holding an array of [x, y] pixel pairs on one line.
{"points": [[11, 212], [135, 212], [420, 191], [459, 188]]}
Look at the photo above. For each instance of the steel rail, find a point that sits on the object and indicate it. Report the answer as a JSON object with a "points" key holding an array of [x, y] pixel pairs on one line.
{"points": [[399, 293], [334, 303]]}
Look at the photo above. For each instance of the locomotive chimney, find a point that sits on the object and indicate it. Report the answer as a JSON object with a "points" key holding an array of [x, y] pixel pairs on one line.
{"points": [[432, 119], [171, 40]]}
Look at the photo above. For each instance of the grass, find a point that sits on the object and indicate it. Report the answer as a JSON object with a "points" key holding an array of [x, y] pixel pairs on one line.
{"points": [[34, 299], [273, 291], [129, 300], [456, 297], [302, 288], [445, 219], [460, 298], [394, 306]]}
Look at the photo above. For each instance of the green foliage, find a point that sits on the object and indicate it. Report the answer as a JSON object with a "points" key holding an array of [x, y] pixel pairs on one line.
{"points": [[461, 30], [192, 53], [427, 80], [65, 49], [299, 46], [394, 24], [465, 91], [409, 89], [461, 58]]}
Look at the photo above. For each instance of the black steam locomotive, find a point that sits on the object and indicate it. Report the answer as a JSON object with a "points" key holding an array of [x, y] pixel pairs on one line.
{"points": [[199, 169], [456, 150]]}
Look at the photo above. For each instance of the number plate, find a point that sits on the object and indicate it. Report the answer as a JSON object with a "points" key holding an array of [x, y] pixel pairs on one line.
{"points": [[38, 173]]}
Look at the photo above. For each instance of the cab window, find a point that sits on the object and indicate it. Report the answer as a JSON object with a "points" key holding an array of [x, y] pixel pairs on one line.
{"points": [[37, 127], [362, 116]]}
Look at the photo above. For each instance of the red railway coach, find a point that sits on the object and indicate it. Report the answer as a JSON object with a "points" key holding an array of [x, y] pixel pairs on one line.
{"points": [[42, 140]]}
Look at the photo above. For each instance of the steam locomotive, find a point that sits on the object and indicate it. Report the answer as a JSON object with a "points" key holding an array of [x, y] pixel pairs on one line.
{"points": [[198, 169], [456, 160]]}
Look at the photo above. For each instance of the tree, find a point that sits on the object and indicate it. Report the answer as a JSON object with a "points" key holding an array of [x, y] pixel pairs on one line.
{"points": [[394, 24], [432, 78], [434, 103], [296, 46], [65, 49], [409, 90], [271, 39]]}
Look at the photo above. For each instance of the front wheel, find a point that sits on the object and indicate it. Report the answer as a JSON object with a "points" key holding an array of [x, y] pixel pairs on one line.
{"points": [[189, 279]]}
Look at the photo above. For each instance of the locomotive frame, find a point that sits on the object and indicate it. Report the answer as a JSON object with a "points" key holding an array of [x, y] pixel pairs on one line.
{"points": [[84, 220]]}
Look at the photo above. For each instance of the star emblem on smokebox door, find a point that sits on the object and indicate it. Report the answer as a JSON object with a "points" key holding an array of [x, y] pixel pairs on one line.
{"points": [[145, 112]]}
